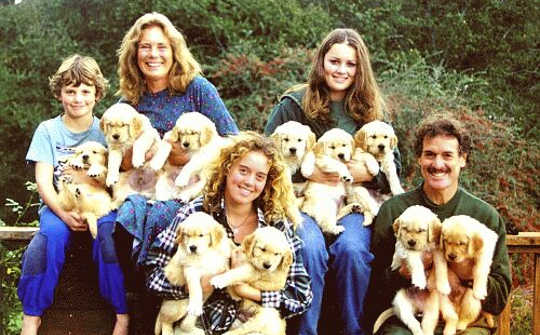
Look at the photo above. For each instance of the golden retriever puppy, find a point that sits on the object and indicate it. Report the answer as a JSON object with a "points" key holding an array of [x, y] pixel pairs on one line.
{"points": [[460, 308], [321, 201], [468, 246], [268, 260], [203, 249], [410, 301], [81, 186], [294, 141], [418, 231], [126, 129], [198, 136], [379, 139]]}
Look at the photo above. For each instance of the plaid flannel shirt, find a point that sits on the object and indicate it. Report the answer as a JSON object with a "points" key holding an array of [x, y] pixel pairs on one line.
{"points": [[220, 309]]}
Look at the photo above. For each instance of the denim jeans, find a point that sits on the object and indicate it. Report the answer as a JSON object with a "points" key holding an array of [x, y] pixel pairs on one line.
{"points": [[44, 259], [347, 261]]}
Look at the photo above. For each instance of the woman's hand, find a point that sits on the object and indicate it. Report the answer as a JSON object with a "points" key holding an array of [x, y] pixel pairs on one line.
{"points": [[359, 171], [127, 159], [319, 176]]}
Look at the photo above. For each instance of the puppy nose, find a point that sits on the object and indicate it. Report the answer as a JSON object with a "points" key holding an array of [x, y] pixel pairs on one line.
{"points": [[381, 147], [341, 155], [116, 136], [266, 265], [452, 256], [411, 243], [85, 157], [292, 150], [185, 144], [192, 248]]}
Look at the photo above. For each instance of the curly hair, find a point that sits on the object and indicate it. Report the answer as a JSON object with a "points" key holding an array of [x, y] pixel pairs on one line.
{"points": [[76, 70], [439, 125], [277, 199], [183, 70], [363, 99]]}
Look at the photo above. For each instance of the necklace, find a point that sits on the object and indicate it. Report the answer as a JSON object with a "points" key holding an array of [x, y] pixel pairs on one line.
{"points": [[235, 229]]}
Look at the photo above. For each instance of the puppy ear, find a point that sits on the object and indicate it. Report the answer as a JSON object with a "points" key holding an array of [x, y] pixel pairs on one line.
{"points": [[396, 226], [360, 138], [286, 261], [310, 140], [248, 244], [102, 124], [276, 137], [477, 243], [207, 134], [318, 148], [136, 127], [434, 230], [216, 235], [393, 141], [179, 234], [173, 135]]}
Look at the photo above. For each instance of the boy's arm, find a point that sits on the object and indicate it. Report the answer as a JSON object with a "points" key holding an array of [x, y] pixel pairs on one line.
{"points": [[44, 180]]}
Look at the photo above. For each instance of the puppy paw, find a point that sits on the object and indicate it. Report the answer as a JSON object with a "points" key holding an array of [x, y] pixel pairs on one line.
{"points": [[218, 282], [480, 293], [419, 281], [77, 165], [195, 308], [336, 230], [182, 180], [66, 179], [444, 288], [112, 178], [347, 177], [137, 161]]}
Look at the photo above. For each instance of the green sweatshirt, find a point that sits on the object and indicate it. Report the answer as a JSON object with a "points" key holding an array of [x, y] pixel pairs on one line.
{"points": [[385, 282], [289, 108]]}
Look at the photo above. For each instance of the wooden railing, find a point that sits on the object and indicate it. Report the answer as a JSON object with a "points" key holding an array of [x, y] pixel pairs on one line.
{"points": [[528, 243], [525, 242]]}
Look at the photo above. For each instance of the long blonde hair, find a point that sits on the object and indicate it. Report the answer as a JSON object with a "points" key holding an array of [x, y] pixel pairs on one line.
{"points": [[277, 199], [363, 99], [184, 67]]}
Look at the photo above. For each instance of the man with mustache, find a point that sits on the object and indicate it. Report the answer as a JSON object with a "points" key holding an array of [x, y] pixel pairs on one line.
{"points": [[442, 148]]}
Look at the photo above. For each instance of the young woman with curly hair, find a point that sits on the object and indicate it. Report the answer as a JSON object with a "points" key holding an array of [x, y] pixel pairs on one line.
{"points": [[341, 92], [248, 188]]}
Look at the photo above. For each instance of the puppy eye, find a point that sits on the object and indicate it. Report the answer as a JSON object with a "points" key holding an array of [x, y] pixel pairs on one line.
{"points": [[286, 139], [94, 152], [263, 249], [385, 136], [276, 253], [201, 235], [299, 140], [374, 136], [332, 147]]}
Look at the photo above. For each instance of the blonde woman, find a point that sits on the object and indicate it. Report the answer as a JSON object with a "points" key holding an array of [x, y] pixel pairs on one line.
{"points": [[248, 188], [341, 92]]}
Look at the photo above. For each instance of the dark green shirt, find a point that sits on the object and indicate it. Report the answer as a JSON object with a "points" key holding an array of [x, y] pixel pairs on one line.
{"points": [[385, 282]]}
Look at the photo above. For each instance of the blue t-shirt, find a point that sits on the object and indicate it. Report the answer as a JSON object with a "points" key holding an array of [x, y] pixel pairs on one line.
{"points": [[52, 140], [163, 109]]}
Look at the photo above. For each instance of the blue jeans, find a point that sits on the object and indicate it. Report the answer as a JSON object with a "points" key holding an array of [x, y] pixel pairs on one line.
{"points": [[347, 261], [45, 256]]}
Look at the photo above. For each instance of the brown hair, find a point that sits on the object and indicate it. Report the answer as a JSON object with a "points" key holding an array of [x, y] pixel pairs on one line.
{"points": [[277, 200], [184, 67], [76, 70], [363, 99], [438, 125]]}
